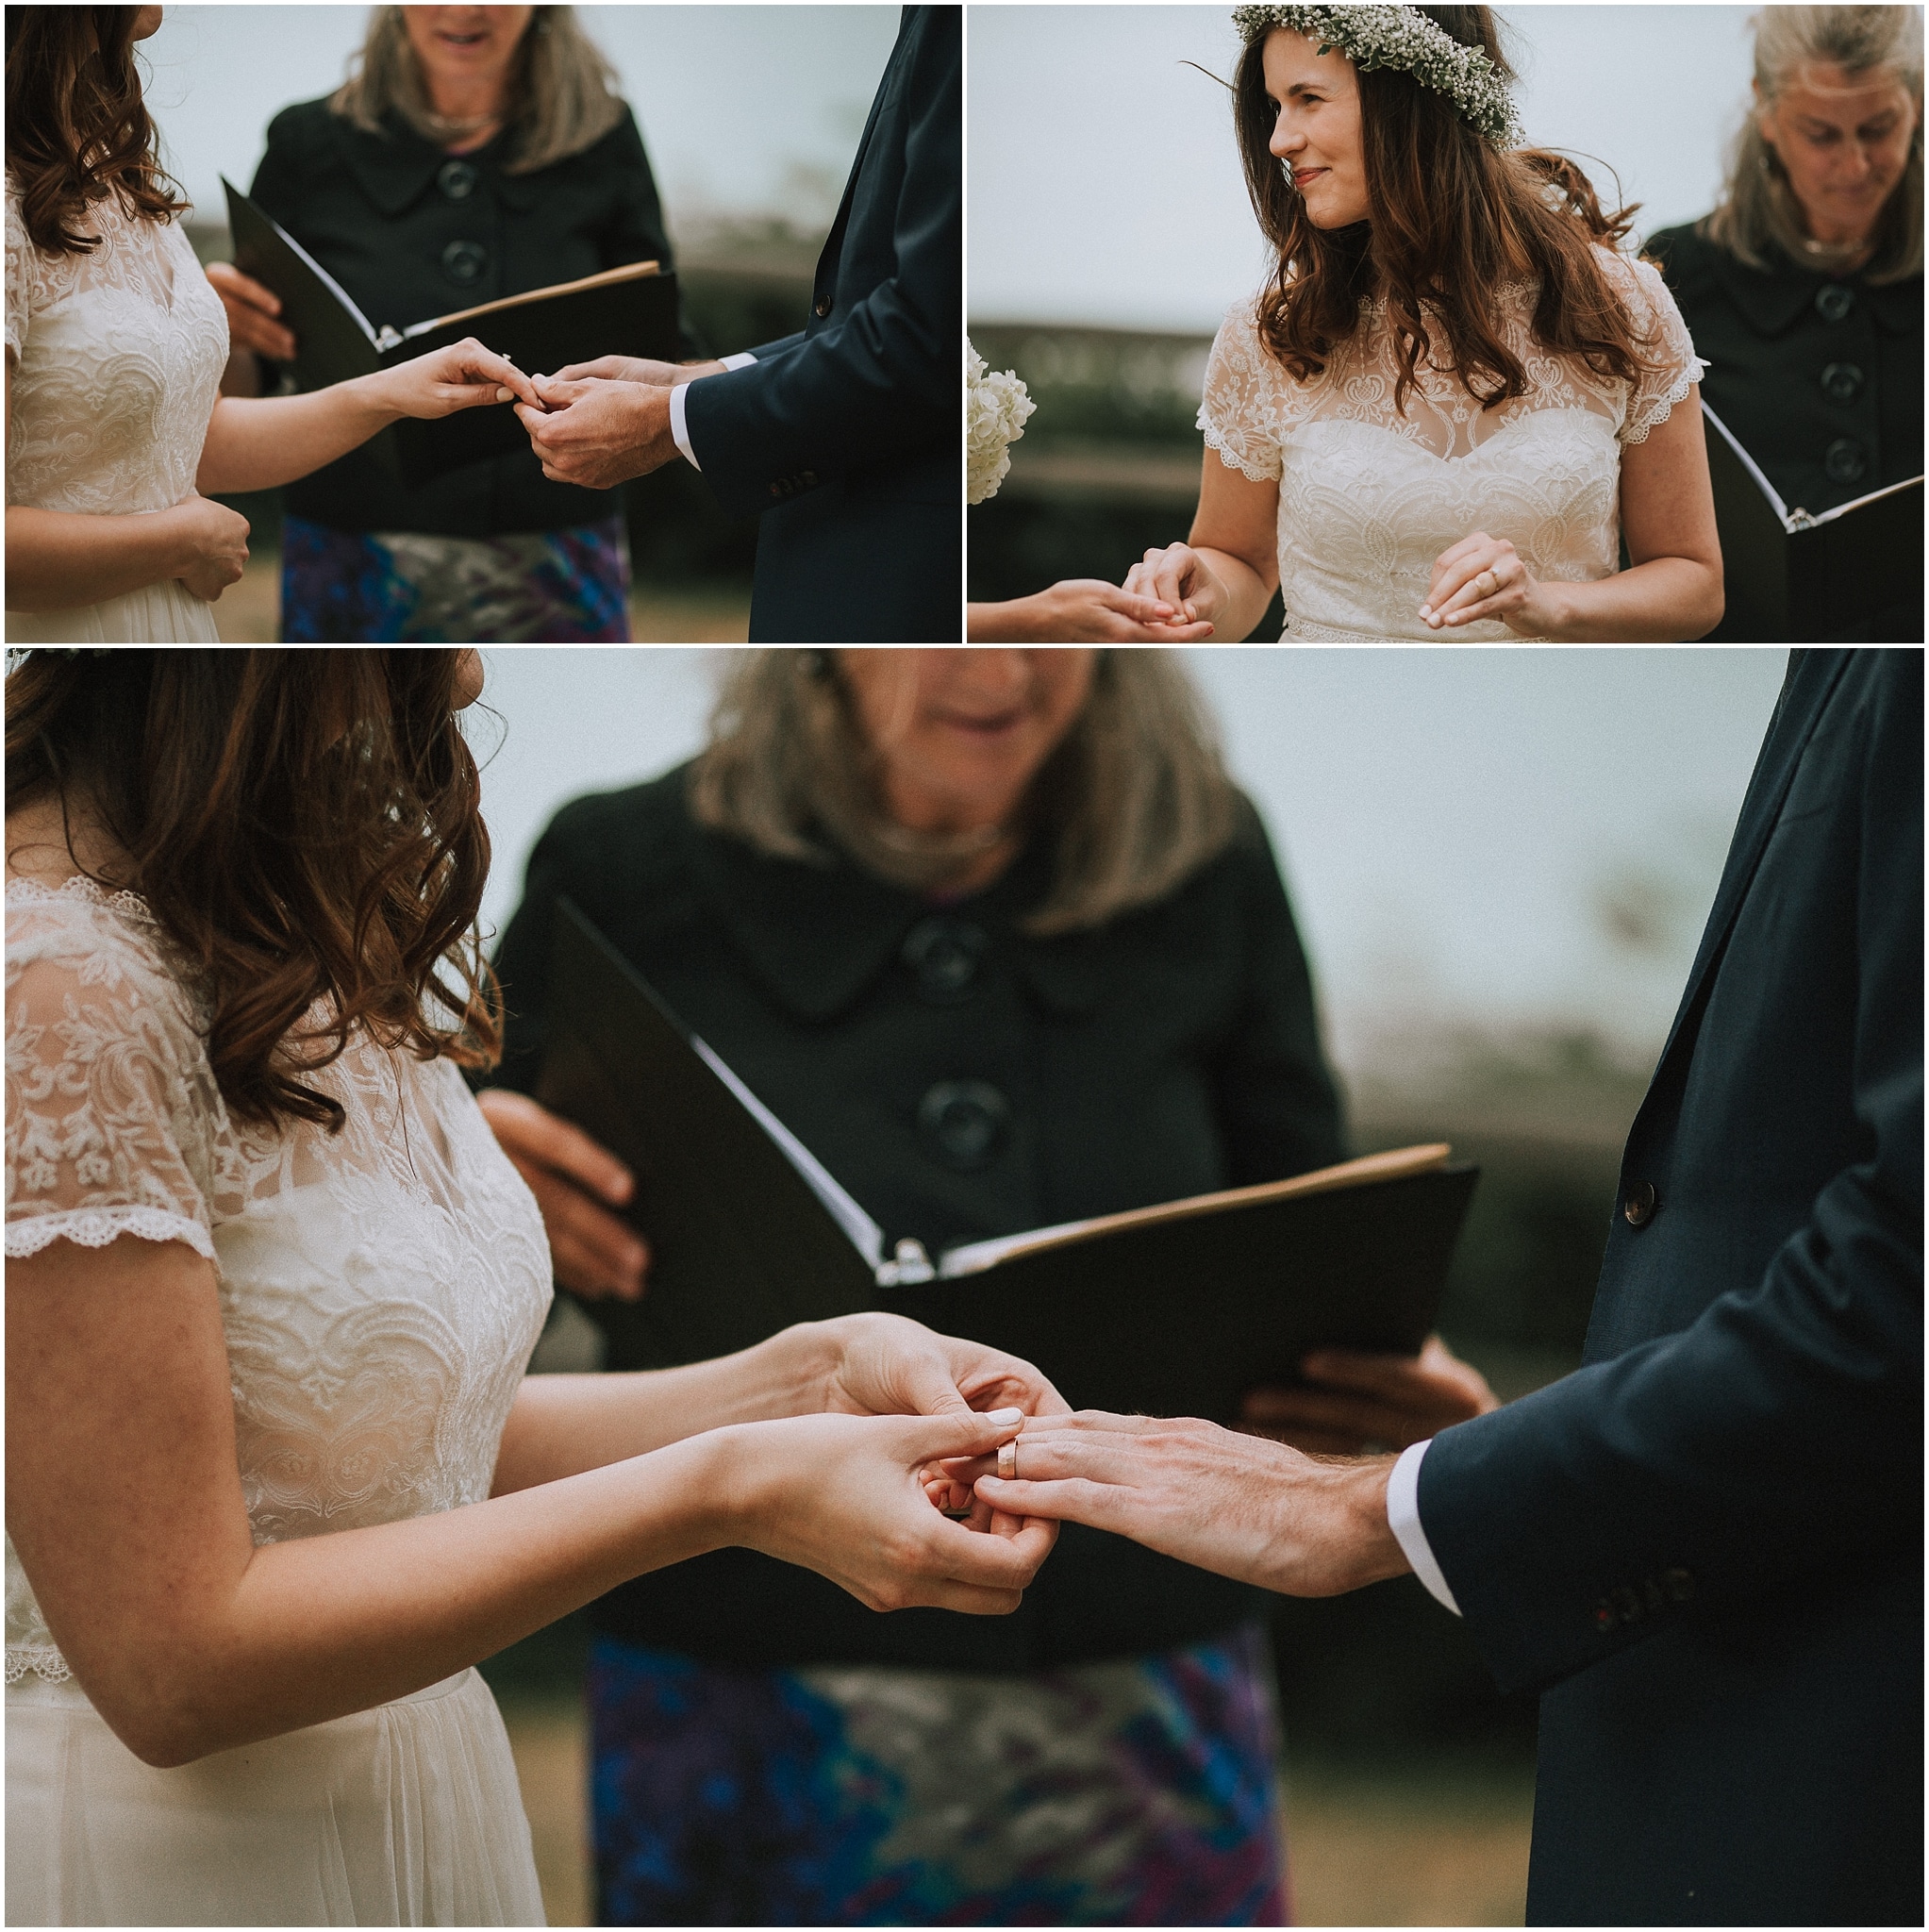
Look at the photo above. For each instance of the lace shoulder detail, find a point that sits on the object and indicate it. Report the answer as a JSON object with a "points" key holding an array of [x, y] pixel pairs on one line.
{"points": [[24, 279], [1653, 308], [113, 1113], [1249, 402]]}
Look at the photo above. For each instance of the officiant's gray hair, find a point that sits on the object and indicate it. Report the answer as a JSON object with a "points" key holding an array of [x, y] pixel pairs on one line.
{"points": [[1136, 795], [563, 95], [1757, 205]]}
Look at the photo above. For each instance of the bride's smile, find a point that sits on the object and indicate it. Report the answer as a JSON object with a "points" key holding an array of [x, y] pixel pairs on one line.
{"points": [[1317, 137]]}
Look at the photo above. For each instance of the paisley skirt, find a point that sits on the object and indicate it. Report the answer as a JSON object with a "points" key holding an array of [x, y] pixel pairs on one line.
{"points": [[1135, 1792], [381, 587], [409, 1814]]}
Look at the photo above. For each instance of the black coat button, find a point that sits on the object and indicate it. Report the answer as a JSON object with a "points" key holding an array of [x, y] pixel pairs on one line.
{"points": [[820, 309], [943, 954], [1845, 460], [1833, 301], [1842, 382], [456, 179], [464, 261], [964, 1123], [1637, 1206]]}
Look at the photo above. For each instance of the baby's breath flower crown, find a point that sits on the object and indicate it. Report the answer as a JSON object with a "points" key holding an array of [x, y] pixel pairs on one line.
{"points": [[1403, 37]]}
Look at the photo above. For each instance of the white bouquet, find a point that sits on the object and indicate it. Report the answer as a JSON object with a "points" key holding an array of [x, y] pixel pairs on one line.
{"points": [[996, 407]]}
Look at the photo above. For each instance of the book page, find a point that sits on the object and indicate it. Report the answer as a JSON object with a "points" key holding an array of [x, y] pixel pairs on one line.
{"points": [[864, 1233], [978, 1256], [629, 272]]}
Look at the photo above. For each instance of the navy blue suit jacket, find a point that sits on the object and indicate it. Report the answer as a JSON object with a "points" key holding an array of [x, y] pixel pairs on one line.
{"points": [[1704, 1547], [847, 438]]}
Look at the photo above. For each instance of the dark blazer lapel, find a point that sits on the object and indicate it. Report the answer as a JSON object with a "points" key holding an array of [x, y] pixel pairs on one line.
{"points": [[834, 242], [1812, 676]]}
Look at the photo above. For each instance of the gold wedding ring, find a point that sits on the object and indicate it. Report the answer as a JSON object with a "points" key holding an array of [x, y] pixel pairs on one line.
{"points": [[1008, 1460]]}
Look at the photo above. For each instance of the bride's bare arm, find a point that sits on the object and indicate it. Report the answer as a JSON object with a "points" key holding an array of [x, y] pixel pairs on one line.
{"points": [[61, 560], [259, 442], [1671, 593], [124, 1503], [1227, 572]]}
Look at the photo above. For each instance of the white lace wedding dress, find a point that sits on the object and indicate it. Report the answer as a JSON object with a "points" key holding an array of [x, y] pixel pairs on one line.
{"points": [[115, 358], [380, 1292], [1369, 497]]}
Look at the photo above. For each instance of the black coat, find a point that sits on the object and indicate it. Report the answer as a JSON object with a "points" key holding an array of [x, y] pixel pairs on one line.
{"points": [[1704, 1547], [847, 437], [1172, 1052], [411, 232], [1819, 376]]}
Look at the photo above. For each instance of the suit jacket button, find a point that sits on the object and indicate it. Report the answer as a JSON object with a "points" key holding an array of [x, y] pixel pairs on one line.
{"points": [[943, 953], [1832, 301], [820, 309], [1842, 382], [1845, 460], [1639, 1204]]}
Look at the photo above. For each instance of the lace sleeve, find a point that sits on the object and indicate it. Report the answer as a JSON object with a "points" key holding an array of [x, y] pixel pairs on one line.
{"points": [[19, 272], [1240, 410], [110, 1106], [1669, 344]]}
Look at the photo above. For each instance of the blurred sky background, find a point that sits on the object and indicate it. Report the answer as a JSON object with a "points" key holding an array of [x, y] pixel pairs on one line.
{"points": [[745, 110], [1496, 839], [1105, 188]]}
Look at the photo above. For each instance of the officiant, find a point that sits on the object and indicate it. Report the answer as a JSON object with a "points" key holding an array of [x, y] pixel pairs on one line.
{"points": [[994, 934], [473, 153], [1804, 287]]}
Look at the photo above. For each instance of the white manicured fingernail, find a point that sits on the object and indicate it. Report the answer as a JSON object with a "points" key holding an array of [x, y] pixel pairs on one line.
{"points": [[1005, 1418]]}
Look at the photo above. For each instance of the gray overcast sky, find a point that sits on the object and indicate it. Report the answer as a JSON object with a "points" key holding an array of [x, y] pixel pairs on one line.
{"points": [[1104, 187], [744, 110], [1451, 822]]}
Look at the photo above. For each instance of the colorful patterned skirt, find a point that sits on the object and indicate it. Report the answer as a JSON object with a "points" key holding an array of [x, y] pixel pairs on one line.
{"points": [[385, 586], [1135, 1792]]}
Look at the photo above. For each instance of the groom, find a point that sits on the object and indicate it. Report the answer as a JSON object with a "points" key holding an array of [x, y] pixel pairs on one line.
{"points": [[845, 437]]}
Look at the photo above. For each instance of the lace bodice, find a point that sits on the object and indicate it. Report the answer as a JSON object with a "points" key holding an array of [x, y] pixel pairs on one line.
{"points": [[380, 1289], [1369, 497], [116, 359]]}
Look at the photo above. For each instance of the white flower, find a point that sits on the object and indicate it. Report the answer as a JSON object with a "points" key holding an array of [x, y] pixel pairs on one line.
{"points": [[996, 409]]}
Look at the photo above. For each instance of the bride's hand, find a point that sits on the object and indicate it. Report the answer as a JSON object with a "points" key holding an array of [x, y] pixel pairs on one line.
{"points": [[1180, 577], [461, 377], [1481, 577], [214, 546], [844, 1495]]}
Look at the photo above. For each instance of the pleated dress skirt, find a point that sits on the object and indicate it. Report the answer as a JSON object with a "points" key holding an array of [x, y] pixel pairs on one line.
{"points": [[409, 1814]]}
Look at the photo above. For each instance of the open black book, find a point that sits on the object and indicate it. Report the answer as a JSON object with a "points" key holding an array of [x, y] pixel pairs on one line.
{"points": [[1175, 1310], [624, 311], [1793, 578]]}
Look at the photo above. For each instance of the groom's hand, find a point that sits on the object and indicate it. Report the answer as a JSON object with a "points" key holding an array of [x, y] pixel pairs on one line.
{"points": [[597, 433], [638, 369]]}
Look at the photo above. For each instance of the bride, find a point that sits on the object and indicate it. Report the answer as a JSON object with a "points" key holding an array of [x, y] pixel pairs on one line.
{"points": [[1455, 398], [114, 347], [274, 1478]]}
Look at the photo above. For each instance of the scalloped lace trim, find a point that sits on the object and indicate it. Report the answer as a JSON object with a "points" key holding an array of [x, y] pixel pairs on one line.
{"points": [[41, 1658], [37, 892], [1663, 407], [1216, 440], [95, 1227]]}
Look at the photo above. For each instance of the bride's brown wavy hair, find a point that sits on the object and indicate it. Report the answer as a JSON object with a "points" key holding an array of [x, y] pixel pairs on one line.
{"points": [[1452, 220], [305, 826], [77, 128]]}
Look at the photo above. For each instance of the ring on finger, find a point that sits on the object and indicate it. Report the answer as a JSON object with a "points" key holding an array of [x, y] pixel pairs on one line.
{"points": [[1008, 1460], [1490, 580]]}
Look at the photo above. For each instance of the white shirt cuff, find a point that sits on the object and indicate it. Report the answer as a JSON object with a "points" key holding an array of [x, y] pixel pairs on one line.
{"points": [[679, 429], [1403, 1519]]}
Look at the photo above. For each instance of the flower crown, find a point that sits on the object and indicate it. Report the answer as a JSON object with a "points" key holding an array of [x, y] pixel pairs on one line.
{"points": [[1403, 37]]}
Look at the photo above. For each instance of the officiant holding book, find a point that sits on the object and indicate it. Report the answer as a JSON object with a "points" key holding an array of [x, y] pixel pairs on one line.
{"points": [[1804, 287], [994, 935], [473, 153]]}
